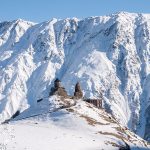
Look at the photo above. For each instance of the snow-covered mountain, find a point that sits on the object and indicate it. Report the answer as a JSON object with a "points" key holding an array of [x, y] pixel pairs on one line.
{"points": [[106, 54], [64, 124]]}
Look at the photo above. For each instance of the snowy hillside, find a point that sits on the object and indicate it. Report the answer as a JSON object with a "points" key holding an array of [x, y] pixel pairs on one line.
{"points": [[108, 54], [80, 126]]}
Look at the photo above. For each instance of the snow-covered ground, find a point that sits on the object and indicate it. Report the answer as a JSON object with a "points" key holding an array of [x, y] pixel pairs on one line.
{"points": [[79, 127]]}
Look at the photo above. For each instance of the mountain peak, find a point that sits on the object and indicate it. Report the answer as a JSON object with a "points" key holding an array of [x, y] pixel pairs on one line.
{"points": [[103, 55]]}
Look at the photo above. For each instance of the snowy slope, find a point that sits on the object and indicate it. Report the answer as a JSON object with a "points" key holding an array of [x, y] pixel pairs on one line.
{"points": [[77, 127], [108, 54]]}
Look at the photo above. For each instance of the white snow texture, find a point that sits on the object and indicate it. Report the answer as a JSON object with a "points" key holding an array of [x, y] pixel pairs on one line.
{"points": [[108, 54]]}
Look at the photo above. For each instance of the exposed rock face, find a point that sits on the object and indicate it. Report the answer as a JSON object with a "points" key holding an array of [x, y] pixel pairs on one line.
{"points": [[147, 127], [126, 147], [58, 89], [78, 92]]}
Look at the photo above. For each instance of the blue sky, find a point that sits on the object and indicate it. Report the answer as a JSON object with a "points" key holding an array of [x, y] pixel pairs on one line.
{"points": [[41, 10]]}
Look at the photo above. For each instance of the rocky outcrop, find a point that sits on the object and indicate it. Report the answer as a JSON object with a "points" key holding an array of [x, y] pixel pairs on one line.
{"points": [[78, 92], [147, 125], [126, 147], [58, 89]]}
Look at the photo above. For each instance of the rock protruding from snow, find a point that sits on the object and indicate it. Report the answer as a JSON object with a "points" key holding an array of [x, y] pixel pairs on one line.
{"points": [[78, 94]]}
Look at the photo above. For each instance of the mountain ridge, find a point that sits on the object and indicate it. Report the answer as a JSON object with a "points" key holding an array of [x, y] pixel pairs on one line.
{"points": [[106, 53]]}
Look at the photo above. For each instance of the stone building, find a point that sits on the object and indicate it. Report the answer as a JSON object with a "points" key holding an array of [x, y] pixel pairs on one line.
{"points": [[78, 92], [96, 102], [58, 89]]}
